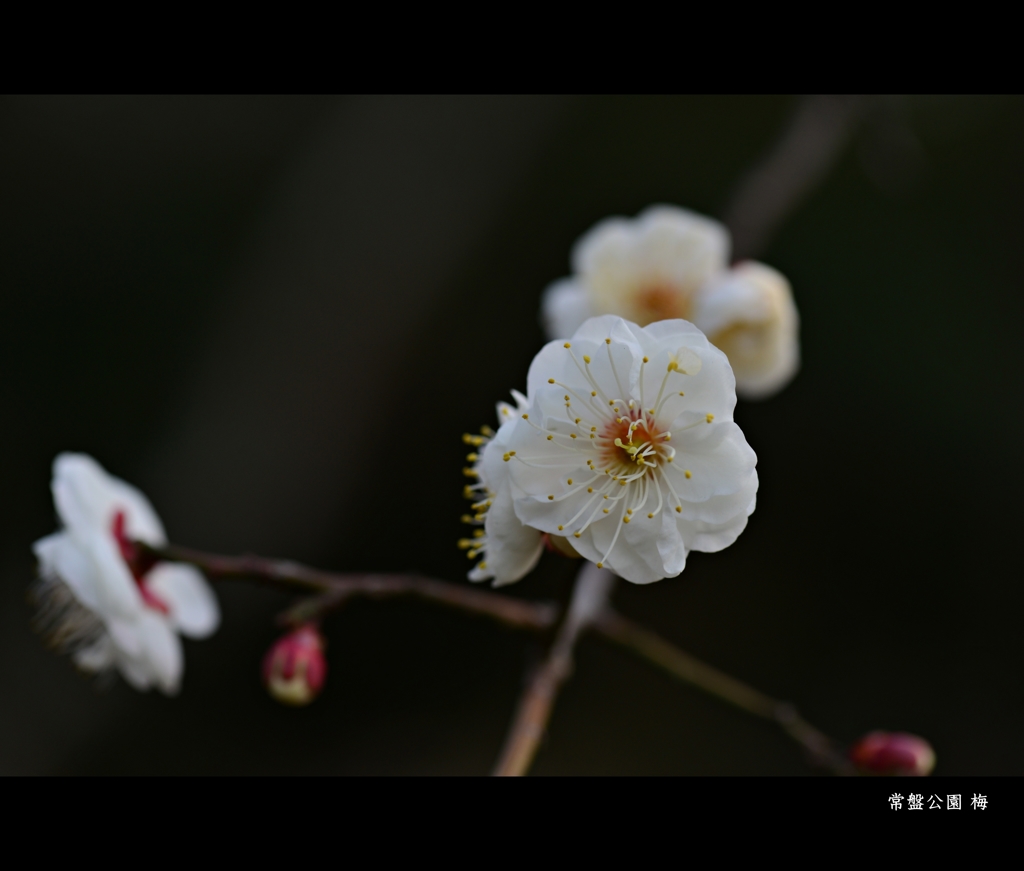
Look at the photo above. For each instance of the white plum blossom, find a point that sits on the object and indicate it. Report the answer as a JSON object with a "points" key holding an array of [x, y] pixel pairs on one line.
{"points": [[749, 313], [624, 449], [100, 600], [672, 263], [512, 548]]}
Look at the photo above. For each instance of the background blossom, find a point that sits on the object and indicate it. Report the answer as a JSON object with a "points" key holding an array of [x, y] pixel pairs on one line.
{"points": [[97, 602], [673, 263]]}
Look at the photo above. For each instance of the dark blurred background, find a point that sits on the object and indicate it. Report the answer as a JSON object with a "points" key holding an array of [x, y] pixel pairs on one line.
{"points": [[210, 295]]}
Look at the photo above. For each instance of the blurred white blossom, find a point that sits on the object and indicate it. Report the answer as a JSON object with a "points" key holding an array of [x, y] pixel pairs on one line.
{"points": [[100, 599], [748, 312], [672, 263], [623, 449]]}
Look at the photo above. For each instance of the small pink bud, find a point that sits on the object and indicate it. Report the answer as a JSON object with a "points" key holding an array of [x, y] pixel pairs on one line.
{"points": [[294, 669], [893, 753]]}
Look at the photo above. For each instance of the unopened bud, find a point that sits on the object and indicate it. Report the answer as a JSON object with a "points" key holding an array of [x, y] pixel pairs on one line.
{"points": [[893, 753], [294, 669]]}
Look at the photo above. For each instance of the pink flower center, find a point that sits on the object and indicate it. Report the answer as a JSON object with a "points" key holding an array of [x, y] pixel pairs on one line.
{"points": [[139, 563]]}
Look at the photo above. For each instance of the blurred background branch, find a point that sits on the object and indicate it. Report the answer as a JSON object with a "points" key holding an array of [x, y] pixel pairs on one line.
{"points": [[821, 750], [819, 130]]}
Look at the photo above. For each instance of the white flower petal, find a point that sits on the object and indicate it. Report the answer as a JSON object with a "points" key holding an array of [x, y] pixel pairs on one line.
{"points": [[616, 366], [141, 521], [564, 306], [713, 537], [162, 655], [59, 555], [193, 606], [686, 247], [651, 268], [605, 250], [126, 636], [712, 389], [97, 657], [749, 313], [718, 458], [117, 592], [628, 549], [671, 546], [87, 498], [133, 670], [82, 493], [512, 548]]}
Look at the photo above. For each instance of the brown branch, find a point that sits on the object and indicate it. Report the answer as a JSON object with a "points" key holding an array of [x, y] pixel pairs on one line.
{"points": [[335, 589], [807, 149], [590, 598], [821, 749], [588, 608]]}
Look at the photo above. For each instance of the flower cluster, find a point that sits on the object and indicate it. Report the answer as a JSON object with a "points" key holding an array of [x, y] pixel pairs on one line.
{"points": [[623, 450], [101, 599], [671, 263]]}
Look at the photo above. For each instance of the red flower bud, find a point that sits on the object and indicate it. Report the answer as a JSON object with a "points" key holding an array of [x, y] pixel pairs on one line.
{"points": [[893, 753], [294, 669]]}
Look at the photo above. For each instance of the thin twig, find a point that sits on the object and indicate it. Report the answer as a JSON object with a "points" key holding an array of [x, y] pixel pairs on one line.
{"points": [[590, 598], [807, 149], [821, 749], [335, 589]]}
